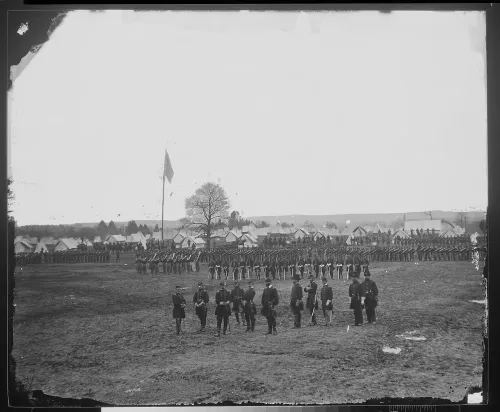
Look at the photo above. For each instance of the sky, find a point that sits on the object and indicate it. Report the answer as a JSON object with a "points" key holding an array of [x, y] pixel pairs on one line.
{"points": [[291, 112]]}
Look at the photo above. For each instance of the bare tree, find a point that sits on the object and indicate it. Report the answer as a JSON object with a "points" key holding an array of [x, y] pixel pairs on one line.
{"points": [[429, 213], [330, 225], [462, 219], [308, 225], [206, 208], [261, 224]]}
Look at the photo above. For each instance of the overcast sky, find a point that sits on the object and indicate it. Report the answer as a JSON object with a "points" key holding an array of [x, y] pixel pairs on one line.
{"points": [[293, 113]]}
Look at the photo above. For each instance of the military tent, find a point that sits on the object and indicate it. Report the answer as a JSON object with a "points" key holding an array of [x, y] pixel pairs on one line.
{"points": [[66, 244], [22, 246]]}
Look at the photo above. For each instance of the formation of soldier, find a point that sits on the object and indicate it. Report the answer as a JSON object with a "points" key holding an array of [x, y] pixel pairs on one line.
{"points": [[65, 256], [177, 262], [241, 302]]}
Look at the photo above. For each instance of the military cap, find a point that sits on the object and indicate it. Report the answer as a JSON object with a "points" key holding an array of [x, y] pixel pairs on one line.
{"points": [[200, 283], [222, 284], [311, 277], [178, 287], [268, 281], [250, 282], [324, 279], [367, 273]]}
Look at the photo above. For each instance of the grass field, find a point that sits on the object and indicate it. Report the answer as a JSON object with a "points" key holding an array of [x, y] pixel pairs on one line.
{"points": [[104, 332]]}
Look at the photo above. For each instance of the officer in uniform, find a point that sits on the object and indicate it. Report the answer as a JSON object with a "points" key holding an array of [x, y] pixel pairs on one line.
{"points": [[236, 295], [301, 268], [226, 269], [340, 268], [235, 270], [270, 299], [356, 295], [296, 303], [249, 307], [200, 300], [178, 311], [312, 303], [223, 308], [211, 270], [326, 294], [370, 291]]}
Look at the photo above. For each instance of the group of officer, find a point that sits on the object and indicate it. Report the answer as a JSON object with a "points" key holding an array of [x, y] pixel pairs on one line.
{"points": [[362, 295]]}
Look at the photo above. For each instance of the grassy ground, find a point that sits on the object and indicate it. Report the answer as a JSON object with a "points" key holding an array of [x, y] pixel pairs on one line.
{"points": [[104, 332]]}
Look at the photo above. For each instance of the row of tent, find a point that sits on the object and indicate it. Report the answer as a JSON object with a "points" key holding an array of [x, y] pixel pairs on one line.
{"points": [[249, 236]]}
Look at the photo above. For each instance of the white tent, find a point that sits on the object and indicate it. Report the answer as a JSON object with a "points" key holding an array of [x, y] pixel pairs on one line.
{"points": [[40, 247], [66, 244], [22, 246], [113, 239]]}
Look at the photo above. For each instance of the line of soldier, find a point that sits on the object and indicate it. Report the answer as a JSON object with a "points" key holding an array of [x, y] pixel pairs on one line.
{"points": [[241, 302], [283, 269], [375, 254], [172, 262], [65, 256]]}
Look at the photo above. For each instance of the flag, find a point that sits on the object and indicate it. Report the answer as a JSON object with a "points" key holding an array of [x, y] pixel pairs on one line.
{"points": [[168, 172]]}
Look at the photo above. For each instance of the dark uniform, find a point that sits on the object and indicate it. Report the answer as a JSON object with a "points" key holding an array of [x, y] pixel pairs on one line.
{"points": [[312, 303], [223, 310], [356, 293], [249, 307], [200, 300], [326, 294], [178, 312], [370, 291], [296, 303], [269, 301], [236, 295]]}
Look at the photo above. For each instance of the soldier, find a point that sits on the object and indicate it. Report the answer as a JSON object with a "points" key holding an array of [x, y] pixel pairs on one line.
{"points": [[243, 269], [356, 299], [117, 256], [200, 300], [340, 268], [164, 263], [296, 303], [211, 270], [371, 297], [326, 294], [269, 300], [316, 268], [329, 267], [273, 269], [257, 269], [178, 311], [235, 270], [266, 269], [226, 269], [312, 303], [357, 270], [301, 268], [249, 307], [223, 309], [236, 295]]}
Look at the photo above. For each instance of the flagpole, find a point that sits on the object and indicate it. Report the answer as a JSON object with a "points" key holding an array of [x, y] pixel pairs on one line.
{"points": [[162, 207]]}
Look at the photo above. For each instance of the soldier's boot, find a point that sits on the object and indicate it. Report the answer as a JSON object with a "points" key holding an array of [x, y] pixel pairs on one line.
{"points": [[253, 325], [237, 317], [247, 319], [178, 326]]}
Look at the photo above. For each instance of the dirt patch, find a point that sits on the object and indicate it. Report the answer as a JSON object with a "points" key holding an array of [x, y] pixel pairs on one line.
{"points": [[117, 336]]}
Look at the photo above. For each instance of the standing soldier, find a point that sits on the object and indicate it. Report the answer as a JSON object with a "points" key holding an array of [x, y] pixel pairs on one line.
{"points": [[326, 294], [235, 270], [249, 307], [226, 269], [316, 268], [223, 309], [312, 303], [371, 297], [356, 300], [211, 270], [243, 269], [296, 303], [340, 269], [273, 269], [257, 269], [117, 256], [200, 300], [269, 300], [164, 263], [236, 295], [179, 305], [301, 268]]}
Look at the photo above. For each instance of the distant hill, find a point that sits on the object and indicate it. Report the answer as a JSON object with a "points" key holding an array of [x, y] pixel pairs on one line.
{"points": [[388, 219]]}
